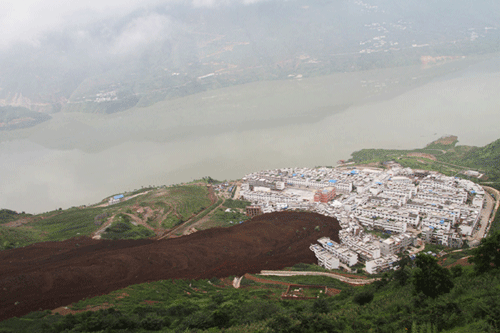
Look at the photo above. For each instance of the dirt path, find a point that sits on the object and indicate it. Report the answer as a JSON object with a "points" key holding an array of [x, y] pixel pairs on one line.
{"points": [[141, 222], [351, 281], [97, 234], [185, 227], [330, 291], [237, 192], [204, 218]]}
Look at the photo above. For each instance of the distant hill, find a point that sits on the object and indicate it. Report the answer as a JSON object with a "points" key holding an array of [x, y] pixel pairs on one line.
{"points": [[14, 117]]}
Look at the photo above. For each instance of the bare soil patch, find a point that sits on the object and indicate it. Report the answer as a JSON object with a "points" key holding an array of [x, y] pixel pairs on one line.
{"points": [[53, 274]]}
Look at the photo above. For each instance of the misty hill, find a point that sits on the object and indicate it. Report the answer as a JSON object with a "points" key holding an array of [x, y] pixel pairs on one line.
{"points": [[14, 117], [173, 50]]}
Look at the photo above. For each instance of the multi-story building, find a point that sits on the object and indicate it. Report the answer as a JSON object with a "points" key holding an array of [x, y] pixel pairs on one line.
{"points": [[324, 195], [325, 258], [396, 215], [383, 224], [343, 253], [381, 264], [390, 246], [253, 211]]}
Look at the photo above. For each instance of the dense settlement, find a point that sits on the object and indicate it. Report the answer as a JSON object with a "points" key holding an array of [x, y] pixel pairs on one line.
{"points": [[381, 211]]}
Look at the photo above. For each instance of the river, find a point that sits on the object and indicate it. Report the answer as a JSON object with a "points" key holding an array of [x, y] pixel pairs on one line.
{"points": [[77, 159]]}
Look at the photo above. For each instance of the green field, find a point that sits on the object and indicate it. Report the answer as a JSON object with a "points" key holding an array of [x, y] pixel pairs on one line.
{"points": [[221, 218]]}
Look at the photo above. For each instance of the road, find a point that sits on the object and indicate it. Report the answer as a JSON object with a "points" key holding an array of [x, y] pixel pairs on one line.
{"points": [[357, 282], [187, 225]]}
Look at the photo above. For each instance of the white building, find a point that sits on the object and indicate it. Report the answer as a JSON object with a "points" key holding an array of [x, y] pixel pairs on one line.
{"points": [[325, 258], [343, 253], [381, 264]]}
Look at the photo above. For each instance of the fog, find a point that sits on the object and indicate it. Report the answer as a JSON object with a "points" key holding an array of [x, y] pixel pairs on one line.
{"points": [[102, 97]]}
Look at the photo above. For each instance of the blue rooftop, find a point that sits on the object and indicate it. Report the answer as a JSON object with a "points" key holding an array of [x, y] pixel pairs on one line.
{"points": [[294, 174], [332, 181], [119, 196], [329, 243]]}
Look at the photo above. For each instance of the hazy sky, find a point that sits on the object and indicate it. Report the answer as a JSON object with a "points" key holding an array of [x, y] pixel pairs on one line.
{"points": [[28, 21]]}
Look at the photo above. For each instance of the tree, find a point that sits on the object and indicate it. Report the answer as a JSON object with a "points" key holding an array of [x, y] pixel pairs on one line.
{"points": [[487, 255], [363, 297], [320, 305], [430, 278]]}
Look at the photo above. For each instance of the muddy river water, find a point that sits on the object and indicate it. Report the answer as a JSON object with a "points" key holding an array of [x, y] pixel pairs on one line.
{"points": [[77, 159]]}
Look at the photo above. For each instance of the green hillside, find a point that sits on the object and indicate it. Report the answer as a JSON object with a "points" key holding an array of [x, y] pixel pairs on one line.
{"points": [[150, 209], [448, 158]]}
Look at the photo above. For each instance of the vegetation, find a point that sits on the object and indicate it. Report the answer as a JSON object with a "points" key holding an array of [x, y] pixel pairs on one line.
{"points": [[161, 208], [7, 215], [61, 225], [429, 278], [221, 218], [486, 257], [15, 237], [122, 228], [242, 204], [448, 159]]}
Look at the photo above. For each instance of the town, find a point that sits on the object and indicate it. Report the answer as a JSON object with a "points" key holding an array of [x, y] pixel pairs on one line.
{"points": [[382, 212]]}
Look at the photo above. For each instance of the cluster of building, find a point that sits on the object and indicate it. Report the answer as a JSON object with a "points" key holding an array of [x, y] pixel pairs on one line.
{"points": [[404, 207]]}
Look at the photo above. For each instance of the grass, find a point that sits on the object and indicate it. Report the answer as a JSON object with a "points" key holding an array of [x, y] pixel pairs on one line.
{"points": [[122, 228], [206, 212], [7, 215], [17, 237], [171, 221], [221, 218], [230, 203], [59, 225]]}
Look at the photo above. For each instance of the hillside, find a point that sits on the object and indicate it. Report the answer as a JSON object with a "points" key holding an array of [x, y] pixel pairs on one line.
{"points": [[84, 268], [12, 117], [443, 155], [145, 213]]}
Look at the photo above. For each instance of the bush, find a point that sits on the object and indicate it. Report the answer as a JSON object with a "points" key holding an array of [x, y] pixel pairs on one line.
{"points": [[430, 278], [363, 298], [487, 255]]}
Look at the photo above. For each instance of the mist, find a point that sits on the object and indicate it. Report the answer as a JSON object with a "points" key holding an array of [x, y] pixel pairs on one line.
{"points": [[104, 96]]}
